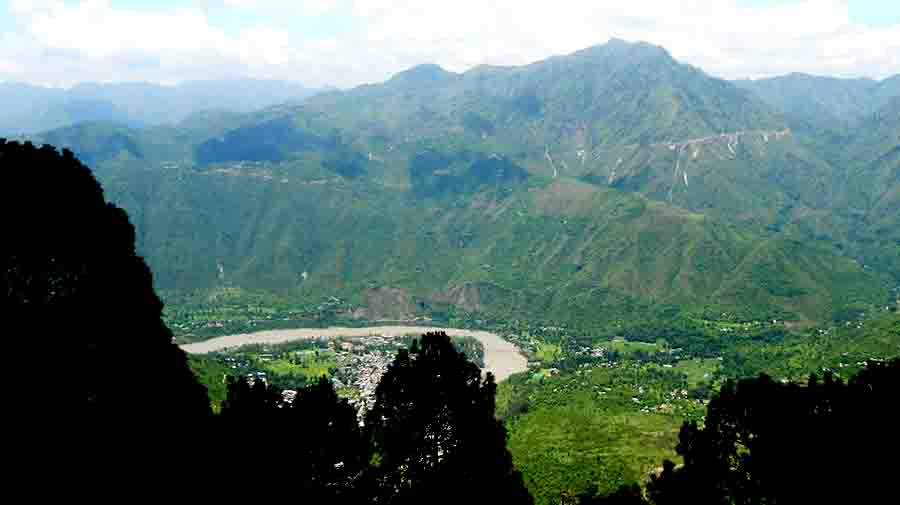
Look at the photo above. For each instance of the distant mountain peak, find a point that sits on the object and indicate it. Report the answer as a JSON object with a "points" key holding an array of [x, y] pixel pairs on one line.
{"points": [[624, 53], [616, 45], [636, 44], [423, 74]]}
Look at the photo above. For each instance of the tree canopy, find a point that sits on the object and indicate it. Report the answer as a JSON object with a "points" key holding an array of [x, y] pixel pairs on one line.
{"points": [[313, 442], [431, 436], [71, 276], [768, 442], [434, 431]]}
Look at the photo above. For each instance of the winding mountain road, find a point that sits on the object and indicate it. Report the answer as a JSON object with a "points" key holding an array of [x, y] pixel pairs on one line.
{"points": [[501, 357]]}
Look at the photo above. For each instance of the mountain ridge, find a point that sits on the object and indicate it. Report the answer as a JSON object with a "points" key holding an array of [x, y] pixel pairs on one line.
{"points": [[610, 181], [30, 109], [816, 102]]}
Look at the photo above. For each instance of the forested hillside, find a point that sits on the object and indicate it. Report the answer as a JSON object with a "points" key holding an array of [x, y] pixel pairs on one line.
{"points": [[610, 182], [824, 103]]}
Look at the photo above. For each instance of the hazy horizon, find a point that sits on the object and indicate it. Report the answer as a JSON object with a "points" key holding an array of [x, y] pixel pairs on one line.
{"points": [[325, 87]]}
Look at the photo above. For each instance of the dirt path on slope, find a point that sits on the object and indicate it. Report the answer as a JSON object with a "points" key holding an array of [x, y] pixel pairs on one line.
{"points": [[501, 358]]}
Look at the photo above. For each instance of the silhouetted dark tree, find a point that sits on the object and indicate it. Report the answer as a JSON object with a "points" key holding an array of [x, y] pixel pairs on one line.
{"points": [[73, 279], [435, 436], [767, 442], [247, 401], [314, 445], [72, 276], [70, 264], [332, 459]]}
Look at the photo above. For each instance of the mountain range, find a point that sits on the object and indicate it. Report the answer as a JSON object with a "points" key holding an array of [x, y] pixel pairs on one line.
{"points": [[824, 102], [30, 109], [611, 184]]}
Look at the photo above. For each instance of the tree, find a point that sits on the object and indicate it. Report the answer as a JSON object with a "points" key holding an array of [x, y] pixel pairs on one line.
{"points": [[434, 433], [767, 442], [73, 280], [247, 401], [71, 268], [314, 443], [334, 457]]}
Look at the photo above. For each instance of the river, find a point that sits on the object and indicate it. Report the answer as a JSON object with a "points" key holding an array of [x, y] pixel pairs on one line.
{"points": [[501, 357]]}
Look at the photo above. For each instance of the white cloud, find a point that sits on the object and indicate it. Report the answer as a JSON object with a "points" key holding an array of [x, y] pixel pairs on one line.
{"points": [[719, 36], [98, 31], [307, 7], [92, 40], [26, 6], [67, 43], [8, 67]]}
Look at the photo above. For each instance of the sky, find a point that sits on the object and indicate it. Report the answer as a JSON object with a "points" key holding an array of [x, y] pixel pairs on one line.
{"points": [[345, 43]]}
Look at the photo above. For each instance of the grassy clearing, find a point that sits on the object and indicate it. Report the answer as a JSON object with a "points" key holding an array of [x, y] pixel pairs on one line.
{"points": [[548, 353], [625, 346], [594, 425], [698, 370]]}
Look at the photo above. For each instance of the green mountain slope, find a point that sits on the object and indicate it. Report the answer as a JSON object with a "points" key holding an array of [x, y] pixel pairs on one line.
{"points": [[614, 94], [607, 184], [823, 103], [873, 189], [560, 250], [622, 115]]}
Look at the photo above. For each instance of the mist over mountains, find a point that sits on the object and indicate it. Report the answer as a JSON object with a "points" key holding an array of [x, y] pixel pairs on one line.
{"points": [[30, 109]]}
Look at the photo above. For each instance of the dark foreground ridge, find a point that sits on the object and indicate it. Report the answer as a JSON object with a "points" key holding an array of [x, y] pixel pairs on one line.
{"points": [[70, 264], [432, 435]]}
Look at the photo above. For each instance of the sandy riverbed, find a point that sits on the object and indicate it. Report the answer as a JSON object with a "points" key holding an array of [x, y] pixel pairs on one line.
{"points": [[501, 358]]}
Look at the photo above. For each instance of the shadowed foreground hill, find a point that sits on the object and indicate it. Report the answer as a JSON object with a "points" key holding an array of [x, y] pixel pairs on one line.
{"points": [[72, 274], [71, 271]]}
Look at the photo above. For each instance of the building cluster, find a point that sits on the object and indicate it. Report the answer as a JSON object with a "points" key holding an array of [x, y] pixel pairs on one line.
{"points": [[362, 373], [364, 362]]}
